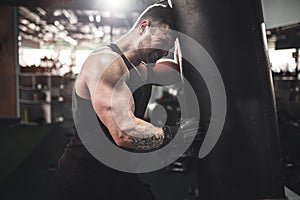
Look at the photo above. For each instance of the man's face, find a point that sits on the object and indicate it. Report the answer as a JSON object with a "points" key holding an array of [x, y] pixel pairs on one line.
{"points": [[155, 43]]}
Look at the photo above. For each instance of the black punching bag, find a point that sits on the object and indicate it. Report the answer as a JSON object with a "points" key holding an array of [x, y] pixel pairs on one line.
{"points": [[245, 163]]}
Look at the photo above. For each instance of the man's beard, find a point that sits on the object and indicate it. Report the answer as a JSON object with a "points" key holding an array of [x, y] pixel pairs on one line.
{"points": [[150, 55]]}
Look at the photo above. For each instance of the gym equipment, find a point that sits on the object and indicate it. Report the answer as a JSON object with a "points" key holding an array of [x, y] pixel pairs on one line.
{"points": [[246, 161]]}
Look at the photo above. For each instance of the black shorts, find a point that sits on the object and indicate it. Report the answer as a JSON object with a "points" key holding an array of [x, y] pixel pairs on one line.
{"points": [[87, 179]]}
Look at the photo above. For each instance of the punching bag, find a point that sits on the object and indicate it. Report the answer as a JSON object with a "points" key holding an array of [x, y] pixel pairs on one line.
{"points": [[245, 162]]}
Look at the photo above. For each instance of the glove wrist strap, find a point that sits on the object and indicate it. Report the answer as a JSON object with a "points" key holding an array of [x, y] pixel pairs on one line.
{"points": [[168, 136]]}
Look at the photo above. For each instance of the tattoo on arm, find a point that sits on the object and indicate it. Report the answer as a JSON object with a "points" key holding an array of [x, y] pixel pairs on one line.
{"points": [[146, 143]]}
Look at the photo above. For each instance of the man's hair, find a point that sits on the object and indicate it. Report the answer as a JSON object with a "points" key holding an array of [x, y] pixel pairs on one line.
{"points": [[160, 12]]}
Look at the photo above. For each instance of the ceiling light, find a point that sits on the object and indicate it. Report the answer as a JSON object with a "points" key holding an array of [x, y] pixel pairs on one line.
{"points": [[29, 15], [61, 27], [70, 40], [41, 11], [24, 21], [115, 4], [91, 18], [57, 13], [31, 26], [23, 28], [98, 18], [56, 23], [99, 33], [71, 16]]}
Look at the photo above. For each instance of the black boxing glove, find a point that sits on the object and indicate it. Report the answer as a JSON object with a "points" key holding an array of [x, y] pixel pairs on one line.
{"points": [[188, 128]]}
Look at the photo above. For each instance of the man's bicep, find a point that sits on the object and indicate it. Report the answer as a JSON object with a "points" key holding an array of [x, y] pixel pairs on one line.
{"points": [[106, 84], [114, 106], [113, 103], [113, 97]]}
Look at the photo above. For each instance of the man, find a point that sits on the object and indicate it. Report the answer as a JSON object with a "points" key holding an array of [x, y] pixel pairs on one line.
{"points": [[106, 83]]}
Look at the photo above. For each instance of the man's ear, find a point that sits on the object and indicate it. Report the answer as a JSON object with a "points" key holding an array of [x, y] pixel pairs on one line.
{"points": [[144, 25]]}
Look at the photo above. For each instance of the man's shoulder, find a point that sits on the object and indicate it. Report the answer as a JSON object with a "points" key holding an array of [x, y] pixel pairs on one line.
{"points": [[104, 61], [104, 55], [100, 59]]}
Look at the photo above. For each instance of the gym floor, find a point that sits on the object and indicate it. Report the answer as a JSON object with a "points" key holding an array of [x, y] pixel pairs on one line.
{"points": [[28, 158], [29, 153]]}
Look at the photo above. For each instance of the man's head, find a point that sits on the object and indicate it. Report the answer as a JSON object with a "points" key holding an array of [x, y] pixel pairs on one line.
{"points": [[156, 27], [158, 14]]}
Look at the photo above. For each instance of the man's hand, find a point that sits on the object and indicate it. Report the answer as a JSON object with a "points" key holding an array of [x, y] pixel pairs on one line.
{"points": [[187, 128]]}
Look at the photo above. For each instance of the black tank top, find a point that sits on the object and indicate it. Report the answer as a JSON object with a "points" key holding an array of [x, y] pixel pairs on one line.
{"points": [[78, 172], [141, 95]]}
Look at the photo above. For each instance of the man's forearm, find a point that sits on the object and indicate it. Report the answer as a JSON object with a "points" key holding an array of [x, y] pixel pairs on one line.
{"points": [[143, 136], [145, 142]]}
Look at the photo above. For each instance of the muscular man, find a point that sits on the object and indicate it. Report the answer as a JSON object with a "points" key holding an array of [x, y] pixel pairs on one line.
{"points": [[105, 83]]}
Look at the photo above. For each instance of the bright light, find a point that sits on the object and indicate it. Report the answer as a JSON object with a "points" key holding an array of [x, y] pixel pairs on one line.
{"points": [[30, 57], [56, 23], [80, 58], [71, 40], [24, 21], [57, 13], [91, 18], [31, 26], [64, 69], [99, 33], [65, 57], [98, 18], [113, 5], [282, 60]]}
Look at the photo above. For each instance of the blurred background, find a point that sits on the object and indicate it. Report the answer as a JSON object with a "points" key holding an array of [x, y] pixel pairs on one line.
{"points": [[43, 45]]}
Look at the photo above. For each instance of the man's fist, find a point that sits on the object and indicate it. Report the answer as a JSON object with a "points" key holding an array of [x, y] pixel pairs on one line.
{"points": [[188, 129]]}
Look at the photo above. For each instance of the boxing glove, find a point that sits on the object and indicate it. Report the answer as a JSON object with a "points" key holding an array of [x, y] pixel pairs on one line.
{"points": [[188, 129]]}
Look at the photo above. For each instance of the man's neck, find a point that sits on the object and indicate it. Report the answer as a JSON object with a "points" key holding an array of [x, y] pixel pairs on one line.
{"points": [[129, 46]]}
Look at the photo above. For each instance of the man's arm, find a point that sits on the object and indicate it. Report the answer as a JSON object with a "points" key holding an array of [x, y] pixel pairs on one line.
{"points": [[114, 105], [167, 71]]}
